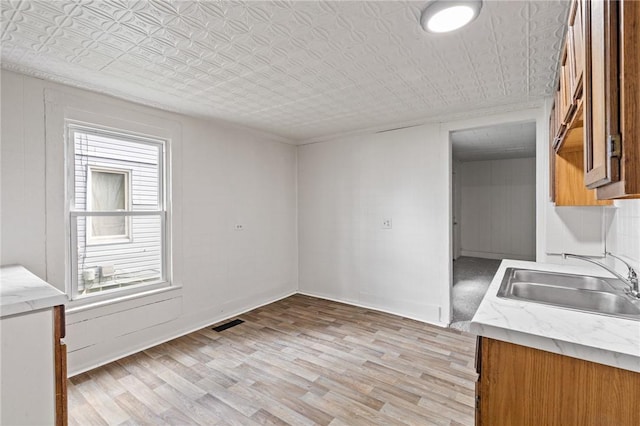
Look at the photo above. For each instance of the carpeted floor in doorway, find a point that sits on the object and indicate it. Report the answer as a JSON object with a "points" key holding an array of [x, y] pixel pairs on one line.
{"points": [[471, 278]]}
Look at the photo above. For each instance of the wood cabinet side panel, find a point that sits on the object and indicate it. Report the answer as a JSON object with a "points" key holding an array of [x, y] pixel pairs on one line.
{"points": [[60, 354], [62, 411], [630, 95]]}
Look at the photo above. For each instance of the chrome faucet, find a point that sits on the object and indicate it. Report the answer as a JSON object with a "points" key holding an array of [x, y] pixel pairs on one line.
{"points": [[631, 280]]}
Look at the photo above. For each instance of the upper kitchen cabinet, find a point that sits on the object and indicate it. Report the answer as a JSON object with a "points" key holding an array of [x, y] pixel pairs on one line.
{"points": [[595, 120], [612, 98], [567, 121], [576, 49], [567, 112]]}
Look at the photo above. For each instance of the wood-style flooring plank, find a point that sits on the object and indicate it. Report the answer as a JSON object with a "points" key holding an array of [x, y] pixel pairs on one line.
{"points": [[298, 361]]}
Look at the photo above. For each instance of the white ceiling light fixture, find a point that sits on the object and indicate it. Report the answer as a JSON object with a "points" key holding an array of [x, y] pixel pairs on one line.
{"points": [[442, 16]]}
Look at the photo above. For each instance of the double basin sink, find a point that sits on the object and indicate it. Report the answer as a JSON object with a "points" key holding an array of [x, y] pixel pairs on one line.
{"points": [[577, 292]]}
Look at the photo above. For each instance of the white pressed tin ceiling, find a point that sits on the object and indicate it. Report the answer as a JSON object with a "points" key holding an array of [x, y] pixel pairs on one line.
{"points": [[512, 140], [301, 69]]}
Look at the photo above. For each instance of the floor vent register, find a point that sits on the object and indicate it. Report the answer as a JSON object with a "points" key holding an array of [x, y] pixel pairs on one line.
{"points": [[226, 325]]}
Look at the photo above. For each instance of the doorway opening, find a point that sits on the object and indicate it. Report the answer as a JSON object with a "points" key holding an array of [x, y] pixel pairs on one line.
{"points": [[494, 208]]}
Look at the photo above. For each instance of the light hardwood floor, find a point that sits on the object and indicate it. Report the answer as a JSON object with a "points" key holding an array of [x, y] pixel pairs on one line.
{"points": [[298, 361]]}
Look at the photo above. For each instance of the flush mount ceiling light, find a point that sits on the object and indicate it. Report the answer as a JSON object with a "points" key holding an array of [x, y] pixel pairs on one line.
{"points": [[442, 16]]}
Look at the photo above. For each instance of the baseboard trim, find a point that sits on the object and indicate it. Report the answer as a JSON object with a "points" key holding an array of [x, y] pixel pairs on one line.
{"points": [[497, 256], [373, 308]]}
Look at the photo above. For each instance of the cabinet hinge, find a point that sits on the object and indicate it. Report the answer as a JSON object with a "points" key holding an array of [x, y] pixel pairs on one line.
{"points": [[615, 145]]}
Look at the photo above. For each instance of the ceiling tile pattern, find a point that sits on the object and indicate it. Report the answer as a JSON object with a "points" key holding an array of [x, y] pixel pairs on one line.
{"points": [[299, 69]]}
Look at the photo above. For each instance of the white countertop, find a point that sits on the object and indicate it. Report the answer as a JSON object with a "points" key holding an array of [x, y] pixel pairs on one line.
{"points": [[21, 291], [598, 338]]}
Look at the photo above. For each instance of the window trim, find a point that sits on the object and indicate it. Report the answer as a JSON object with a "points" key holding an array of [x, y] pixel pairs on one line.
{"points": [[127, 237], [163, 211]]}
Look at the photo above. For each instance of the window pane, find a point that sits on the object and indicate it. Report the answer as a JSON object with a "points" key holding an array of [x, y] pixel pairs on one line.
{"points": [[118, 265], [108, 226], [115, 173], [108, 191], [112, 152]]}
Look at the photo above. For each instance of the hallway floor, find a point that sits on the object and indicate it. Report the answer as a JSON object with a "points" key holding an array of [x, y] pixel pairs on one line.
{"points": [[471, 279]]}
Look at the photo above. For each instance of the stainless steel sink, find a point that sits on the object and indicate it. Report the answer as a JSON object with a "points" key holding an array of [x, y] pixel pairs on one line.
{"points": [[561, 280], [577, 292]]}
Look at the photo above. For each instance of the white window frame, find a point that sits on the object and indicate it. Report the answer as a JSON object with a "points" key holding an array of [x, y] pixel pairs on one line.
{"points": [[163, 212], [127, 237]]}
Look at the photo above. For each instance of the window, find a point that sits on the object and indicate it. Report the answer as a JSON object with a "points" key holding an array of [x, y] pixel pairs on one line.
{"points": [[118, 213], [108, 190]]}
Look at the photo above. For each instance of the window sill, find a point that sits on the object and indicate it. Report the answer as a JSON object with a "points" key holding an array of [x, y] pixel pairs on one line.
{"points": [[82, 305]]}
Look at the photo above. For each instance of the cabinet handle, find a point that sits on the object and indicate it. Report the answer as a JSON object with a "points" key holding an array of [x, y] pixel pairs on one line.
{"points": [[614, 143]]}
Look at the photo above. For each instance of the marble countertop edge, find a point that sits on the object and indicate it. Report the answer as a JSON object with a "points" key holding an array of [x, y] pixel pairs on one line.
{"points": [[21, 291]]}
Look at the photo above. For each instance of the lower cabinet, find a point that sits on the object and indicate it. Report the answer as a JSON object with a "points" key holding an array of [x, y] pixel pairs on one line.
{"points": [[522, 386], [33, 367]]}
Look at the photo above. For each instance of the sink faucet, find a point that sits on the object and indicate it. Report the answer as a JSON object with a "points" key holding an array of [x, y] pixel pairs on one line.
{"points": [[631, 280]]}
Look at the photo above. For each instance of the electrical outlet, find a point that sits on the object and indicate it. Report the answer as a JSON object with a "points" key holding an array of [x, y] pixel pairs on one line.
{"points": [[238, 227], [386, 223]]}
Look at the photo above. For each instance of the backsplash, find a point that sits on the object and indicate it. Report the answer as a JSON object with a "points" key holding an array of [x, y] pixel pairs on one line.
{"points": [[623, 234]]}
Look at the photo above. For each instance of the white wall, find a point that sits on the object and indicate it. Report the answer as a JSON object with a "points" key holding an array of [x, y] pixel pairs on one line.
{"points": [[498, 208], [348, 185], [623, 232], [346, 188], [222, 175]]}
